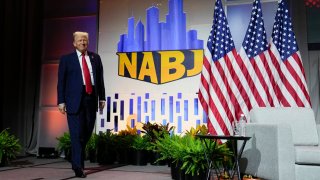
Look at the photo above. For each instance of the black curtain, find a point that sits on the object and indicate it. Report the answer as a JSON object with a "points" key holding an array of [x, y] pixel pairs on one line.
{"points": [[21, 39]]}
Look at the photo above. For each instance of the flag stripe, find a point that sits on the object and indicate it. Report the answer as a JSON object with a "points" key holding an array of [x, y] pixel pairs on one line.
{"points": [[254, 62], [255, 99], [271, 79], [276, 74], [297, 75]]}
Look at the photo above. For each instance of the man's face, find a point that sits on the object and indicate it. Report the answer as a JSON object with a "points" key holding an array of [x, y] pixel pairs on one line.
{"points": [[80, 43]]}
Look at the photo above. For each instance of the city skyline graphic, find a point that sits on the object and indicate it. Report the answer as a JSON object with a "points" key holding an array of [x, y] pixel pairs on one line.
{"points": [[169, 35]]}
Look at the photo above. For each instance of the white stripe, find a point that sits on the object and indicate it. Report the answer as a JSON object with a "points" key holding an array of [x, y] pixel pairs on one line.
{"points": [[234, 86], [292, 81], [212, 118], [283, 69], [244, 81], [220, 84], [275, 76], [298, 69], [254, 78], [283, 89]]}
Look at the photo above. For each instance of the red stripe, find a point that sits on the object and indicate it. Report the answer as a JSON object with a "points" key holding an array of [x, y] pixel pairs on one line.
{"points": [[241, 89], [210, 127], [205, 85], [250, 82], [274, 85], [229, 91], [291, 89], [297, 77], [288, 86], [212, 106], [222, 100], [280, 95], [261, 78]]}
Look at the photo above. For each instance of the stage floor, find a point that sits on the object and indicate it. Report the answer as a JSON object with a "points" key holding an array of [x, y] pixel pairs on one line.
{"points": [[32, 168]]}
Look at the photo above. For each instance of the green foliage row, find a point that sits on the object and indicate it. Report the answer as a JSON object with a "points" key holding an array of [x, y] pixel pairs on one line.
{"points": [[64, 142], [9, 146], [187, 150]]}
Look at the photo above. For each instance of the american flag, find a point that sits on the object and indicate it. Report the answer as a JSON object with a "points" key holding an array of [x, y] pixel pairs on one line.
{"points": [[216, 94], [254, 62], [286, 59], [260, 75]]}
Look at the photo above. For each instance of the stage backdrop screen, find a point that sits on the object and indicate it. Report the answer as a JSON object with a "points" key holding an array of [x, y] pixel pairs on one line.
{"points": [[152, 53]]}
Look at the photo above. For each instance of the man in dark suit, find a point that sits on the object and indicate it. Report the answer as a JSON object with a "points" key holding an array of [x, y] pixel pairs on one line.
{"points": [[80, 91]]}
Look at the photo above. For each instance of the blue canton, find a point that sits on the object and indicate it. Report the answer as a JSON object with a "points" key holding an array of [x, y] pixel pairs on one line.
{"points": [[255, 41], [282, 34], [220, 41]]}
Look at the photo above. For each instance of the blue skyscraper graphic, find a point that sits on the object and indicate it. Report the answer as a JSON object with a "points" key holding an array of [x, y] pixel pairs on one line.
{"points": [[153, 30], [139, 38], [169, 35], [176, 22], [130, 37]]}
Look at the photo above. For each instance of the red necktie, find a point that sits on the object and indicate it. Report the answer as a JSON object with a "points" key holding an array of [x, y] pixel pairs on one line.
{"points": [[86, 75]]}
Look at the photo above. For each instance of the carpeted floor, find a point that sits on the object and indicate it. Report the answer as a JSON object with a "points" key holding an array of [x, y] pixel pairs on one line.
{"points": [[32, 168]]}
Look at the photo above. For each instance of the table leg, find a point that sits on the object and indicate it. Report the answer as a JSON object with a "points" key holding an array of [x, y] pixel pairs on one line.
{"points": [[205, 147]]}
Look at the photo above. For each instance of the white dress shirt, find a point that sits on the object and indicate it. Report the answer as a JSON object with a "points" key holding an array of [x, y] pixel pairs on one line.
{"points": [[89, 66]]}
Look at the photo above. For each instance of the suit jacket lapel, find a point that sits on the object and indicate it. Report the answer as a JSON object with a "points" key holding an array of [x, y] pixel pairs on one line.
{"points": [[75, 58]]}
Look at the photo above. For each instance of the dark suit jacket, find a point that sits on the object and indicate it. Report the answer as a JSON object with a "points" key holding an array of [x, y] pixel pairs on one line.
{"points": [[70, 82]]}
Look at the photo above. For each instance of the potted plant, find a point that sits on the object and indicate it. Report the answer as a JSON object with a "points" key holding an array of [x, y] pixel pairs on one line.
{"points": [[9, 147], [193, 160], [140, 153], [155, 131], [124, 140], [91, 148], [187, 153], [106, 152], [64, 145], [166, 146]]}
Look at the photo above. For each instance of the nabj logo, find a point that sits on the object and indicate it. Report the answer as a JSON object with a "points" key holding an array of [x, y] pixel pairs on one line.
{"points": [[165, 53]]}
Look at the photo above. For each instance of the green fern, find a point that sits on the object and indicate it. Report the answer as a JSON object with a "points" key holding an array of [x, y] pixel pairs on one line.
{"points": [[9, 146]]}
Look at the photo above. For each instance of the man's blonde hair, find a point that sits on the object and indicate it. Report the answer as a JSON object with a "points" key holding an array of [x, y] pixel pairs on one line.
{"points": [[79, 33]]}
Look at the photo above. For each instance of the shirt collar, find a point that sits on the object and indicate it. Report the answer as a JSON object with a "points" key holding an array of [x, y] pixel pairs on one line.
{"points": [[79, 53]]}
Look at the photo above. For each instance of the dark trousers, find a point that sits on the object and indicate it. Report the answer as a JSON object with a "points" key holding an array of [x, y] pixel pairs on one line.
{"points": [[81, 125]]}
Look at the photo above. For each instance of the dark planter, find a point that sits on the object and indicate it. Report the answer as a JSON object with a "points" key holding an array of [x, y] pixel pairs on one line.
{"points": [[140, 157], [67, 154], [154, 156], [173, 170], [92, 156], [176, 172], [124, 156], [180, 174], [4, 161], [105, 153]]}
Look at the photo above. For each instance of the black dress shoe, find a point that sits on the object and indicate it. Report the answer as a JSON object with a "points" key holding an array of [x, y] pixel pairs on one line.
{"points": [[79, 173]]}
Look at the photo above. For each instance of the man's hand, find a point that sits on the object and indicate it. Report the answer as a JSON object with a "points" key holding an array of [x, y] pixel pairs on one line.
{"points": [[101, 105], [62, 108]]}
